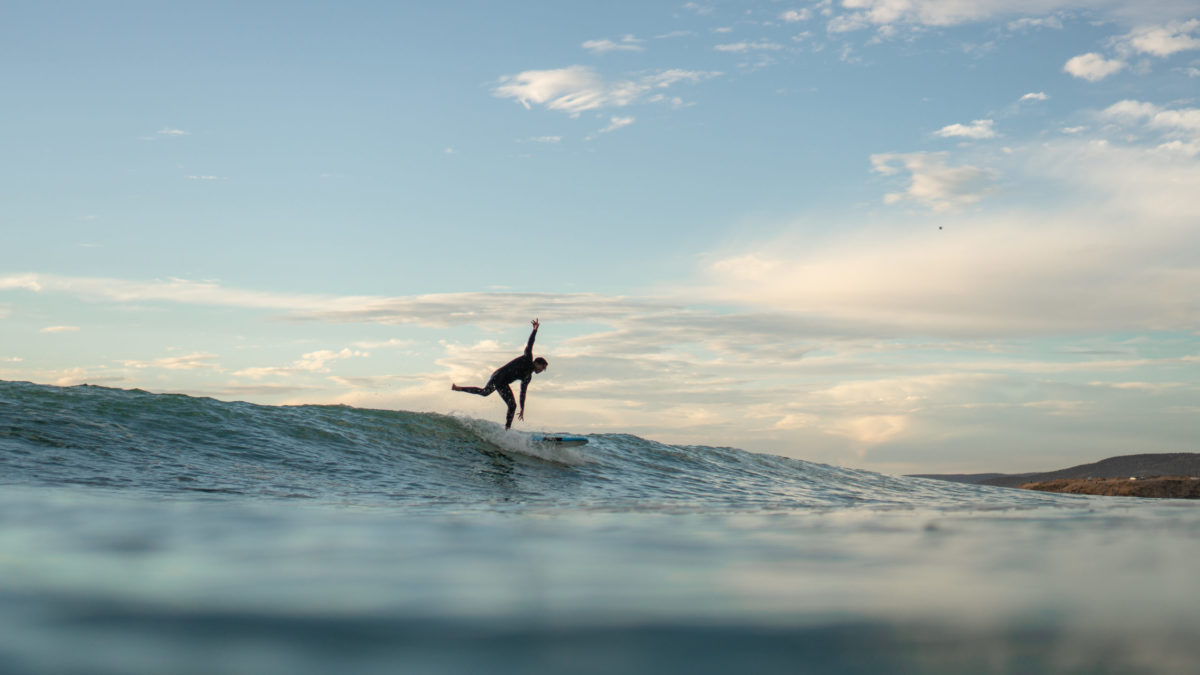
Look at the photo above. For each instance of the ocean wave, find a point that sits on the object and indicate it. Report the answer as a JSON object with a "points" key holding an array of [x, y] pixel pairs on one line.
{"points": [[173, 443]]}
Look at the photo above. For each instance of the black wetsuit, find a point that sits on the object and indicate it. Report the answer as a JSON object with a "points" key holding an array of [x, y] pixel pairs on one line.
{"points": [[520, 368]]}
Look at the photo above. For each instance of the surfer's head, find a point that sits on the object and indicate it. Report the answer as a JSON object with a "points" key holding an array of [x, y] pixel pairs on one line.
{"points": [[539, 364]]}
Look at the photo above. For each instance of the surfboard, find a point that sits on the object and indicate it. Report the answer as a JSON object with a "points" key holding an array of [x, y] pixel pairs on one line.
{"points": [[561, 441]]}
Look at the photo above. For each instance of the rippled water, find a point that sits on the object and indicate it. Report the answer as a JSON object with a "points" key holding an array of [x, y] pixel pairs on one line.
{"points": [[144, 533]]}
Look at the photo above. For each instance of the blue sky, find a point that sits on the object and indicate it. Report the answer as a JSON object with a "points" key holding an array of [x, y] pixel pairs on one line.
{"points": [[902, 235]]}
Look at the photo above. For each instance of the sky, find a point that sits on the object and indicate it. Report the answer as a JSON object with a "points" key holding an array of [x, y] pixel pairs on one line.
{"points": [[898, 235]]}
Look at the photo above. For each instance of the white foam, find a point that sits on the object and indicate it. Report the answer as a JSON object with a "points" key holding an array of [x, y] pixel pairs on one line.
{"points": [[519, 442]]}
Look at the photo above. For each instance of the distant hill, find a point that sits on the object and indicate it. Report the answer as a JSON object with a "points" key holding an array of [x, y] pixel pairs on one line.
{"points": [[1168, 488], [1125, 466]]}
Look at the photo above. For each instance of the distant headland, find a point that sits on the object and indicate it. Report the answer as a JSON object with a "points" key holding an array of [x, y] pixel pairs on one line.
{"points": [[1169, 475]]}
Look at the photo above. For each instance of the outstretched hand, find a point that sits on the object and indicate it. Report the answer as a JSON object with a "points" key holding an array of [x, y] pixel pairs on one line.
{"points": [[535, 323]]}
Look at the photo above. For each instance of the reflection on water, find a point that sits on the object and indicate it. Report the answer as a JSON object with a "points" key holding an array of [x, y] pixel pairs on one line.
{"points": [[93, 581]]}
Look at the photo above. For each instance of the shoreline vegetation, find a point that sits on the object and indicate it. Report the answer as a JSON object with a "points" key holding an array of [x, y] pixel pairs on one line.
{"points": [[1161, 487]]}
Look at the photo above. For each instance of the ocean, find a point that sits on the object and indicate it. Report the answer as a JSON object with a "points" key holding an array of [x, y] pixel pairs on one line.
{"points": [[154, 533]]}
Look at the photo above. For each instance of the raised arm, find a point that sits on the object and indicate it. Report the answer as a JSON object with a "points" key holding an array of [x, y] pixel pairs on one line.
{"points": [[532, 336]]}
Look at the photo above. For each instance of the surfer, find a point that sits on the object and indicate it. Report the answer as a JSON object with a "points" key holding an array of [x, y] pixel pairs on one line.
{"points": [[521, 368]]}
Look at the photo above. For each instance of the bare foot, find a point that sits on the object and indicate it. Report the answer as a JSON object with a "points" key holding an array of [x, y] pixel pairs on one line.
{"points": [[454, 387]]}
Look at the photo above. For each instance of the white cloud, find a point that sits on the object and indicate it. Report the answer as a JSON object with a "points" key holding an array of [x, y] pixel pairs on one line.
{"points": [[1131, 110], [1180, 127], [924, 12], [1185, 120], [545, 139], [628, 43], [196, 361], [934, 184], [794, 16], [1122, 261], [576, 89], [1092, 66], [1034, 96], [60, 329], [173, 133], [1164, 40], [979, 129], [1036, 13]]}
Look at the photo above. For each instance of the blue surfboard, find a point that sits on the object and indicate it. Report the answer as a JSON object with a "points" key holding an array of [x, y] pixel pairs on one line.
{"points": [[560, 440]]}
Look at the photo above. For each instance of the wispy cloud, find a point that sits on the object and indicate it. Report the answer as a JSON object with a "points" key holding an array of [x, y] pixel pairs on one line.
{"points": [[628, 43], [60, 329], [978, 130], [165, 133], [195, 361], [1036, 23], [743, 47], [615, 123], [576, 89], [796, 15], [438, 310], [1034, 96]]}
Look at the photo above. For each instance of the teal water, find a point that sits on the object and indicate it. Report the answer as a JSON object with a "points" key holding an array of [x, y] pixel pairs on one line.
{"points": [[146, 533]]}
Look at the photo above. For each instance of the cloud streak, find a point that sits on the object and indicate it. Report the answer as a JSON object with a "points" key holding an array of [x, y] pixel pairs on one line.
{"points": [[628, 43], [577, 89], [194, 361], [977, 130]]}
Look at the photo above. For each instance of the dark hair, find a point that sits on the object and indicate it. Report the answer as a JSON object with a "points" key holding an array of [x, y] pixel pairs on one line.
{"points": [[539, 361]]}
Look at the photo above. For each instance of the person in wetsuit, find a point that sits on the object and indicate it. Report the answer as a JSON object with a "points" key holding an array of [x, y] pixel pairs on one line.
{"points": [[521, 368]]}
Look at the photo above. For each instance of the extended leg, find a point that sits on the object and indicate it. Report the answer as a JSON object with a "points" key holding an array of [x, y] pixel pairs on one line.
{"points": [[481, 391]]}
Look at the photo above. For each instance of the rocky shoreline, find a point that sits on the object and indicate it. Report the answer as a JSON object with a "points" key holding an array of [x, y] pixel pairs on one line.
{"points": [[1167, 487]]}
